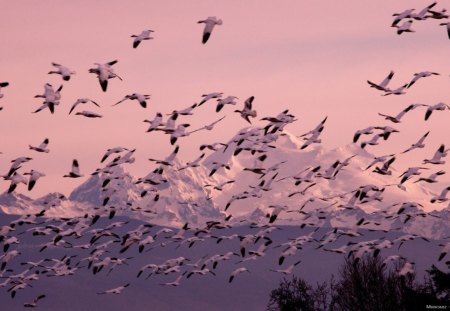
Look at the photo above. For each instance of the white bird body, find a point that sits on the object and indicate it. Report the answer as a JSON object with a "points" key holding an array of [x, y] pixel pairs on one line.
{"points": [[117, 290], [438, 107], [247, 112], [104, 72], [63, 71], [144, 35], [75, 172], [34, 176], [210, 23], [42, 147], [229, 100], [382, 86], [237, 272], [141, 98], [82, 101], [438, 155]]}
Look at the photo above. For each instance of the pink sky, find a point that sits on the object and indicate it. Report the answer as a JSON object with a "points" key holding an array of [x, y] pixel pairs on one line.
{"points": [[312, 58]]}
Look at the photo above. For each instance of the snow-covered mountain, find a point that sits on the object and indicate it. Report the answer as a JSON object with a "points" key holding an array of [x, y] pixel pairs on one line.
{"points": [[246, 179]]}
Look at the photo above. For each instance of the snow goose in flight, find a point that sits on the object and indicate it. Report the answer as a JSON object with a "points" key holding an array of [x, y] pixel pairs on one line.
{"points": [[438, 155], [63, 71], [397, 118], [117, 290], [209, 96], [210, 22], [422, 15], [82, 101], [399, 16], [34, 176], [229, 100], [237, 272], [51, 97], [397, 91], [34, 303], [247, 112], [383, 85], [144, 35], [111, 151], [442, 197], [16, 164], [208, 127], [405, 27], [418, 144], [89, 114], [42, 147], [432, 178], [373, 141], [75, 172], [419, 75], [289, 269], [387, 131], [168, 161], [3, 84], [438, 107], [156, 122], [366, 131], [141, 98], [105, 72], [15, 179]]}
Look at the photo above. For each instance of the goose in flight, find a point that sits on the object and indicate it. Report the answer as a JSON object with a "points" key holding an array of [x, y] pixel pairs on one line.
{"points": [[112, 151], [382, 86], [432, 178], [89, 114], [397, 118], [16, 164], [422, 15], [405, 27], [208, 127], [419, 75], [15, 179], [51, 97], [156, 122], [210, 22], [229, 100], [34, 303], [418, 144], [288, 270], [399, 16], [247, 112], [237, 272], [42, 147], [366, 131], [438, 155], [34, 176], [144, 35], [82, 101], [141, 98], [75, 172], [117, 290], [63, 71], [169, 160], [397, 91], [438, 107], [442, 197], [3, 84], [105, 72], [209, 96]]}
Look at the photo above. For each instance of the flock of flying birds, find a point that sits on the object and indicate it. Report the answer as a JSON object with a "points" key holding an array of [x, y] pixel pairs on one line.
{"points": [[257, 141], [403, 21]]}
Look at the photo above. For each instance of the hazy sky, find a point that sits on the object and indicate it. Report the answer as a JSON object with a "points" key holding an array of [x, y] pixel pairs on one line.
{"points": [[312, 58]]}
